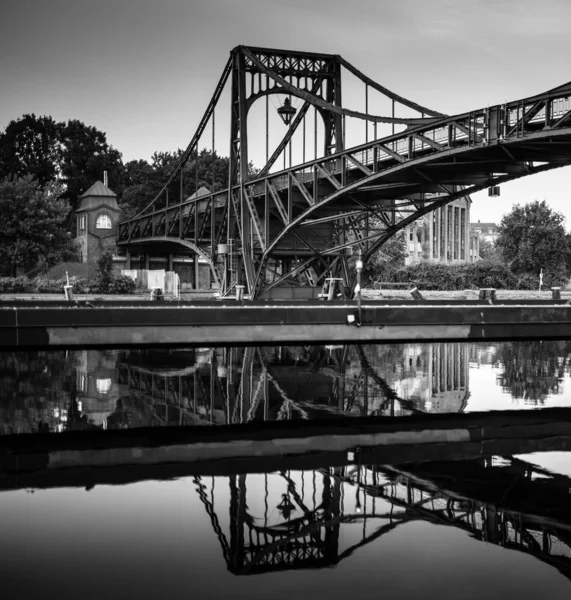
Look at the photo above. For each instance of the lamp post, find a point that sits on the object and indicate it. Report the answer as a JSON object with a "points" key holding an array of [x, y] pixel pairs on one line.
{"points": [[359, 267]]}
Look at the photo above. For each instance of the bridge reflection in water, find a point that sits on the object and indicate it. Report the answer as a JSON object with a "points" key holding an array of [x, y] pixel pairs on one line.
{"points": [[295, 520], [116, 389]]}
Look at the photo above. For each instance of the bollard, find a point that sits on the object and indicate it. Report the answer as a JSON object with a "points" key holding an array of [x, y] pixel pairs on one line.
{"points": [[68, 291], [556, 293], [239, 293], [487, 294], [416, 294]]}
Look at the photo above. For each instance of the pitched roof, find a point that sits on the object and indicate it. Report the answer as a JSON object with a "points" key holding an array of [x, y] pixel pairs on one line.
{"points": [[98, 189], [202, 191]]}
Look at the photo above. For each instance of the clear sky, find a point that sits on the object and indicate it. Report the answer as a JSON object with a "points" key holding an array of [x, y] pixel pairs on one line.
{"points": [[143, 71]]}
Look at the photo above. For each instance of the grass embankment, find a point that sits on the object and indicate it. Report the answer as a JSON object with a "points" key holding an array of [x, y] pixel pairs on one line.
{"points": [[366, 295], [463, 295]]}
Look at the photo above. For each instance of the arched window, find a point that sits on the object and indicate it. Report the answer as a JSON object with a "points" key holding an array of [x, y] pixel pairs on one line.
{"points": [[103, 222], [103, 385]]}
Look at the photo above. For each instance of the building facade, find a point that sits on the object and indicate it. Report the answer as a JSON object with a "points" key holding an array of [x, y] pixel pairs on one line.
{"points": [[443, 235], [485, 231], [97, 223]]}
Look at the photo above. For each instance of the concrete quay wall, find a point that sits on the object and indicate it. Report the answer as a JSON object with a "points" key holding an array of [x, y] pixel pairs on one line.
{"points": [[25, 326]]}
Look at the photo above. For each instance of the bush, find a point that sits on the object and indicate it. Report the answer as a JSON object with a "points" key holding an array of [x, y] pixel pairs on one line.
{"points": [[439, 276], [104, 276], [43, 285], [15, 285], [121, 284]]}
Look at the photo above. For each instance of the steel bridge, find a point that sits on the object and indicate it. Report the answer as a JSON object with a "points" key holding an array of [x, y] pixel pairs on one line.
{"points": [[299, 224], [299, 516]]}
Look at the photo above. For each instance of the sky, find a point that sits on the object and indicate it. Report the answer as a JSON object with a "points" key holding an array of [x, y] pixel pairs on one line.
{"points": [[143, 71]]}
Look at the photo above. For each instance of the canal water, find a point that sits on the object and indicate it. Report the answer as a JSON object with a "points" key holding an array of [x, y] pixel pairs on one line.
{"points": [[492, 527]]}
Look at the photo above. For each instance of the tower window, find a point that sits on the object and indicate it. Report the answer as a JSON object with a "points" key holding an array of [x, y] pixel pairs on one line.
{"points": [[103, 385], [103, 222]]}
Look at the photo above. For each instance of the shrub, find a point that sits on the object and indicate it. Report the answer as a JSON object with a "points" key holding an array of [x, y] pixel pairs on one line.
{"points": [[121, 284], [104, 275], [43, 285], [15, 285], [439, 276]]}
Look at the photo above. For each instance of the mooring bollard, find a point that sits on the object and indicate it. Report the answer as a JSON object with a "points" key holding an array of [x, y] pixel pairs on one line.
{"points": [[68, 291], [487, 294], [556, 293], [239, 293]]}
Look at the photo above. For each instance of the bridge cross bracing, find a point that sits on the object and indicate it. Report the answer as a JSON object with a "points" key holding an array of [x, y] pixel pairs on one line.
{"points": [[298, 224]]}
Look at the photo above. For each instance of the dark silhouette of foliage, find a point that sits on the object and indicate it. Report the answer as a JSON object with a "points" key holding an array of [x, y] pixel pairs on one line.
{"points": [[33, 224], [31, 146], [73, 154], [533, 371], [532, 238]]}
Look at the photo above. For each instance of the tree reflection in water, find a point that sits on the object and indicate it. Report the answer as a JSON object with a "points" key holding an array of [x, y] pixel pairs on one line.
{"points": [[534, 370]]}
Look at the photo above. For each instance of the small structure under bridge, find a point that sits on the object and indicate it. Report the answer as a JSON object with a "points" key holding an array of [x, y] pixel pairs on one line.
{"points": [[281, 231]]}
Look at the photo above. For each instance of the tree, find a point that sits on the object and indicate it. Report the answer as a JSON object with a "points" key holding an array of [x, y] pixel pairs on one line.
{"points": [[85, 156], [143, 180], [31, 146], [532, 238], [33, 219], [489, 252], [71, 153], [390, 257]]}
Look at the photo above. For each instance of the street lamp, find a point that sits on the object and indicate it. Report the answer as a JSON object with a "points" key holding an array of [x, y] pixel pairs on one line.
{"points": [[359, 268], [287, 111]]}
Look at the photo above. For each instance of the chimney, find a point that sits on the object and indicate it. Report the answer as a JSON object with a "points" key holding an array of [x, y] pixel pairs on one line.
{"points": [[105, 178]]}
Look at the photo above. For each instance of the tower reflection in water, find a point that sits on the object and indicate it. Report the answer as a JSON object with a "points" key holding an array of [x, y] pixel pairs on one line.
{"points": [[85, 389], [307, 519]]}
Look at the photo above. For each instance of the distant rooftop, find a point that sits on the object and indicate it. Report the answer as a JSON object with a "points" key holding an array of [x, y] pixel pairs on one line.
{"points": [[99, 189], [202, 191]]}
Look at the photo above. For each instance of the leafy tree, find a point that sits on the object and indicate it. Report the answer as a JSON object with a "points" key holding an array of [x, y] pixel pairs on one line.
{"points": [[489, 252], [33, 220], [143, 180], [390, 257], [532, 237], [85, 156], [71, 153], [31, 146]]}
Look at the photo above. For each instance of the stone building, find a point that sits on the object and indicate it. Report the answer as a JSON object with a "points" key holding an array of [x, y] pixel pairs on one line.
{"points": [[485, 231], [97, 221], [443, 235]]}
